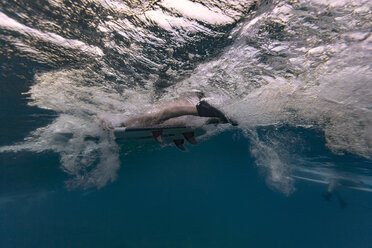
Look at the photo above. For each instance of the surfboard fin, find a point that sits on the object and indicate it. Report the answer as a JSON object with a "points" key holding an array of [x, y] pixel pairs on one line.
{"points": [[158, 136], [190, 137], [179, 144]]}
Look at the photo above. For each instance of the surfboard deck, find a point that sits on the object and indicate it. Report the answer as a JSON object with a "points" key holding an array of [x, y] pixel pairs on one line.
{"points": [[178, 135], [160, 134]]}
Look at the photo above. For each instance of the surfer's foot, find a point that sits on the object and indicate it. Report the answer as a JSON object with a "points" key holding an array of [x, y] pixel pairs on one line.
{"points": [[206, 110]]}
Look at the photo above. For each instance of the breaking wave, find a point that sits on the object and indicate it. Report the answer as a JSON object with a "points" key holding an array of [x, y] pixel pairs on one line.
{"points": [[303, 64]]}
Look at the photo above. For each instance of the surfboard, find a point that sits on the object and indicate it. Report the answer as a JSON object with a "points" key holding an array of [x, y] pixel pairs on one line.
{"points": [[161, 134]]}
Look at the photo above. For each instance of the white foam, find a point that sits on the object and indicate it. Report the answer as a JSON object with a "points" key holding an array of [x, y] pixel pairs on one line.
{"points": [[114, 5], [321, 79], [87, 153], [268, 159], [10, 24], [25, 48], [328, 87], [170, 23], [67, 137], [55, 3], [197, 11]]}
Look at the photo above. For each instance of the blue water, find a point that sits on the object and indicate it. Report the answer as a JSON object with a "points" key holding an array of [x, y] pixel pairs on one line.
{"points": [[295, 75], [213, 196]]}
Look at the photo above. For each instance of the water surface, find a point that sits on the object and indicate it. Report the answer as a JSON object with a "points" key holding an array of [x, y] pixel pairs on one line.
{"points": [[295, 75]]}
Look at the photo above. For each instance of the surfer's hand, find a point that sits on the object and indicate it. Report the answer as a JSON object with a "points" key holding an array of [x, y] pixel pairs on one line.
{"points": [[105, 124]]}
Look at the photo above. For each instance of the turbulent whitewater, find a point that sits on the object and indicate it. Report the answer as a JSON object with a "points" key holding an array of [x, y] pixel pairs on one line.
{"points": [[268, 64]]}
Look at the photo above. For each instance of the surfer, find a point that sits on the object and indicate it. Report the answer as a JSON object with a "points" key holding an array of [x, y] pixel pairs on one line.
{"points": [[170, 113]]}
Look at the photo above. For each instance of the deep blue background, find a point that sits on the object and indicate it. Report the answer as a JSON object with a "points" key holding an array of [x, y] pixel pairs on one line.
{"points": [[212, 196]]}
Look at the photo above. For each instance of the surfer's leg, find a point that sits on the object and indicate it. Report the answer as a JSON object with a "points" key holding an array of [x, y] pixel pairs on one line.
{"points": [[176, 111], [190, 105], [161, 116], [202, 109]]}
